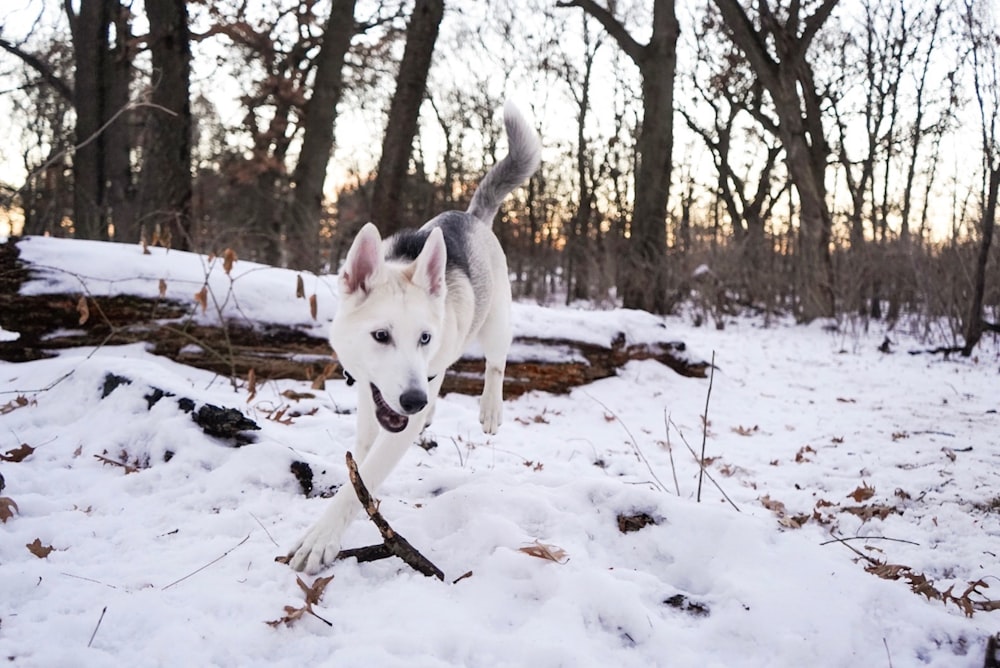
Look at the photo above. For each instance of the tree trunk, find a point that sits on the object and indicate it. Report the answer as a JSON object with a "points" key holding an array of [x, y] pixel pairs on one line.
{"points": [[975, 324], [102, 179], [90, 50], [404, 112], [166, 187], [643, 268], [320, 113]]}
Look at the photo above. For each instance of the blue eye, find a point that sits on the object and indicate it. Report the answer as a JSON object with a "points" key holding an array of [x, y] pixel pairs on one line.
{"points": [[425, 338], [381, 336]]}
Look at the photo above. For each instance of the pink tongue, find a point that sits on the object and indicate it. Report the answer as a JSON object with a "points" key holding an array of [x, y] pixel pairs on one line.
{"points": [[388, 418]]}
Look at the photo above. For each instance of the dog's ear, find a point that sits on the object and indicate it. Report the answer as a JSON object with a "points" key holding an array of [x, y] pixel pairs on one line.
{"points": [[363, 261], [430, 265]]}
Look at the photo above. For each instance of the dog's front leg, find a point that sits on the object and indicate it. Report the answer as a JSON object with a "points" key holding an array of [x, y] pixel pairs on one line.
{"points": [[320, 545], [367, 426]]}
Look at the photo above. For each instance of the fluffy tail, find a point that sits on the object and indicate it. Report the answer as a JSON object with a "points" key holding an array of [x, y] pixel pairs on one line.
{"points": [[523, 158]]}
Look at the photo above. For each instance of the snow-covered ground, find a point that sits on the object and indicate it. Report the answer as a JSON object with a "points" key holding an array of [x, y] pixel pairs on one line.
{"points": [[812, 435]]}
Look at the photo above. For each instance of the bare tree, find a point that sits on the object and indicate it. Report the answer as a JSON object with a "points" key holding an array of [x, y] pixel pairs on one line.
{"points": [[165, 188], [404, 112], [319, 114], [102, 176], [643, 271], [985, 52], [776, 47]]}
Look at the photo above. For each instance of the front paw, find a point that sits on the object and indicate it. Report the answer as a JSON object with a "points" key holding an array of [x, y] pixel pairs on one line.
{"points": [[490, 414], [316, 550]]}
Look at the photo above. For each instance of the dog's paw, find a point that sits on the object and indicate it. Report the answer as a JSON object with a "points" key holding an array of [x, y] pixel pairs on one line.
{"points": [[490, 415], [316, 550]]}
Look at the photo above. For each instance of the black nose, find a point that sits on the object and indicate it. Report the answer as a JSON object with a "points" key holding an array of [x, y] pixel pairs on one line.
{"points": [[413, 401]]}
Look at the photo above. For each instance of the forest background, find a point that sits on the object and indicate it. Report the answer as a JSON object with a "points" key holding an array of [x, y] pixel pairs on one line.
{"points": [[833, 159]]}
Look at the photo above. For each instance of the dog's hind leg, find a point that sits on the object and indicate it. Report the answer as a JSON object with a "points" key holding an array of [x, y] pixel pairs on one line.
{"points": [[495, 338]]}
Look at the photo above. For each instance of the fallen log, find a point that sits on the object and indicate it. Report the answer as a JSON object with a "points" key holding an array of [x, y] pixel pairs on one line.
{"points": [[46, 322]]}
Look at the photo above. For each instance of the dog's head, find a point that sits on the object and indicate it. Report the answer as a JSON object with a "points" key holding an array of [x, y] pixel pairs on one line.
{"points": [[388, 323]]}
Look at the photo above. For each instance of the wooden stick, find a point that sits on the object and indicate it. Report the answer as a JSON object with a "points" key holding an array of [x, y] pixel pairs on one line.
{"points": [[394, 543]]}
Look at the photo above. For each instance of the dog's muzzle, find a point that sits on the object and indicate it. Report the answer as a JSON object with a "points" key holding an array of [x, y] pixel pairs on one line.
{"points": [[388, 418]]}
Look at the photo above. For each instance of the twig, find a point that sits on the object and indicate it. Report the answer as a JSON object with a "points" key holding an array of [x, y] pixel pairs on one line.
{"points": [[395, 543], [73, 149], [99, 620], [895, 540], [670, 450], [701, 463], [213, 561], [80, 577], [704, 426], [367, 553], [888, 654], [268, 533], [635, 444]]}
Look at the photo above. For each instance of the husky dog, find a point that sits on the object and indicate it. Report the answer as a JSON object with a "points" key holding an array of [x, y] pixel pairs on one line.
{"points": [[409, 306]]}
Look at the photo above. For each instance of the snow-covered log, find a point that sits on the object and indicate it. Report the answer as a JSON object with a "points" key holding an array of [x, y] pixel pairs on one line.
{"points": [[232, 316]]}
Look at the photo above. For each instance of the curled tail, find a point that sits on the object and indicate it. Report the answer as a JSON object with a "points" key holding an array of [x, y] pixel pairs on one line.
{"points": [[523, 158]]}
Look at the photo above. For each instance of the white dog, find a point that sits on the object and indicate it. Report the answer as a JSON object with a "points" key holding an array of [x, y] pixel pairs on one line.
{"points": [[408, 308]]}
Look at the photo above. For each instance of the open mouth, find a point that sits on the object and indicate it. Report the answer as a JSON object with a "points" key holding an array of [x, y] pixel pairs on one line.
{"points": [[388, 418]]}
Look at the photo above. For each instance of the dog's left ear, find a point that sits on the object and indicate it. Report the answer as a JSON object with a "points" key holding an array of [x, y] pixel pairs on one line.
{"points": [[431, 263]]}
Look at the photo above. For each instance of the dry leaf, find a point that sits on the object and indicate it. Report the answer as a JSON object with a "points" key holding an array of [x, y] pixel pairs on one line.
{"points": [[83, 310], [300, 287], [746, 431], [869, 512], [20, 401], [111, 462], [313, 594], [163, 288], [39, 550], [800, 456], [862, 493], [793, 521], [251, 385], [18, 454], [772, 505], [547, 552], [312, 305], [7, 508], [297, 396], [228, 260], [201, 297]]}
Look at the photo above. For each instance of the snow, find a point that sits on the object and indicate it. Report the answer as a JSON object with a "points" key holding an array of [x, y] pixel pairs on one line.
{"points": [[179, 556]]}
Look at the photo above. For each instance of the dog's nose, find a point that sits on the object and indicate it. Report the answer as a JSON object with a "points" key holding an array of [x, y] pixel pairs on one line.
{"points": [[413, 401]]}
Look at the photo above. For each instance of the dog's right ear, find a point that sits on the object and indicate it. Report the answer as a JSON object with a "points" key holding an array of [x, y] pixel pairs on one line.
{"points": [[363, 261]]}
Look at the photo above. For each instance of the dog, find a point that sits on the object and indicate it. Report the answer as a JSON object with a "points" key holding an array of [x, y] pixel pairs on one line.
{"points": [[409, 307]]}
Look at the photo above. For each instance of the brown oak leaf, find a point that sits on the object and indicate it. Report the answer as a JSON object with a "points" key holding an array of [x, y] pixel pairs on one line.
{"points": [[547, 552], [7, 508], [37, 549], [862, 493], [18, 454]]}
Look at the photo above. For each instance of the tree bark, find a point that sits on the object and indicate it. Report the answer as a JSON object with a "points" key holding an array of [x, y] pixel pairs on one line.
{"points": [[320, 114], [404, 112], [166, 186]]}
